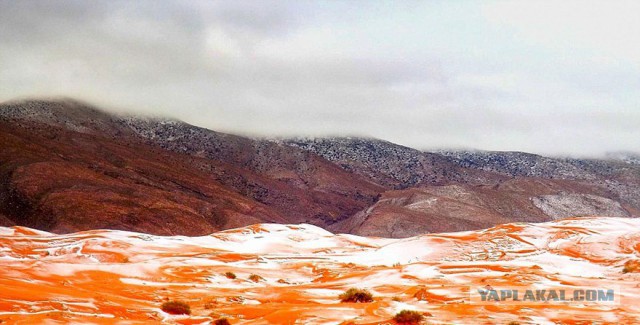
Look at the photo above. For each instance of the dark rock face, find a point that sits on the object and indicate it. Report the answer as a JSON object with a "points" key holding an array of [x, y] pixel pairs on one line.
{"points": [[66, 166]]}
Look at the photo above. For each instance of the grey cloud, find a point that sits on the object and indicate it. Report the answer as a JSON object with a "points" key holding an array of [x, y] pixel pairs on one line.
{"points": [[407, 72]]}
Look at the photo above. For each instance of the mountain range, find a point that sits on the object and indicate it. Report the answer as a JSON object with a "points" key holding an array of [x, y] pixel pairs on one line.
{"points": [[67, 166]]}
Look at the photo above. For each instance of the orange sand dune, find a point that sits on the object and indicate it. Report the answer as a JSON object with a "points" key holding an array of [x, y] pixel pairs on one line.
{"points": [[116, 277]]}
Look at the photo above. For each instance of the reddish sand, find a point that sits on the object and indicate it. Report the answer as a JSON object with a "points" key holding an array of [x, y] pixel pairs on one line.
{"points": [[115, 277]]}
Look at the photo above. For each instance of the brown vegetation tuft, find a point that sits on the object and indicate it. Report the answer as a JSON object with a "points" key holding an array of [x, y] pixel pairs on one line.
{"points": [[222, 321], [175, 307], [356, 295], [408, 317]]}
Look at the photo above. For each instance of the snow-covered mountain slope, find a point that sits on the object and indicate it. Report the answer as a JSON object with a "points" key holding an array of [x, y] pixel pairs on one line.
{"points": [[390, 164], [116, 277], [518, 164], [618, 174], [464, 190]]}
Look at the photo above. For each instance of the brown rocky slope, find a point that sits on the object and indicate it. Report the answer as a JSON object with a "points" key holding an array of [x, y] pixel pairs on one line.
{"points": [[66, 166]]}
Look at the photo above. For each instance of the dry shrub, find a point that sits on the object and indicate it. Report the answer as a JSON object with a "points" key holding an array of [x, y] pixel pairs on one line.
{"points": [[175, 307], [222, 321], [408, 317], [356, 295]]}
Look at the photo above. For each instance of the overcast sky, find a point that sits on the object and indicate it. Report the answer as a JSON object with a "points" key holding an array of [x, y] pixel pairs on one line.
{"points": [[556, 77]]}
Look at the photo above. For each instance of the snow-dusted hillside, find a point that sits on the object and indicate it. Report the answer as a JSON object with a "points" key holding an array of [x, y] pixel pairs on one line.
{"points": [[388, 163], [518, 164], [62, 160], [618, 174], [627, 157], [107, 277]]}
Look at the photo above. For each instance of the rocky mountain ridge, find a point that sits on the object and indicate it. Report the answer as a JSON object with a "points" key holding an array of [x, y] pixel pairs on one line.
{"points": [[68, 166]]}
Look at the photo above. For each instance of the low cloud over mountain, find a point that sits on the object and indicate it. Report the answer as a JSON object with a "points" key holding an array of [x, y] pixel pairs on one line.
{"points": [[68, 166]]}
